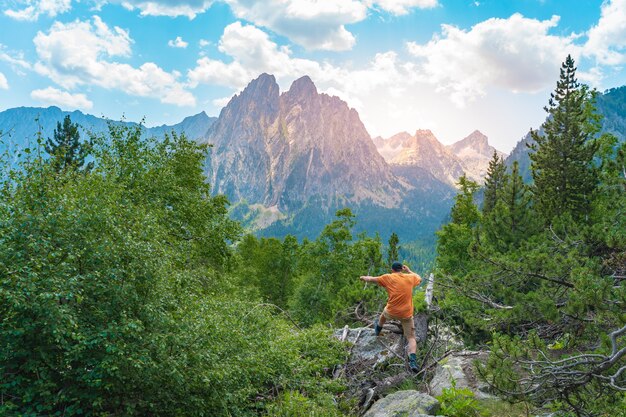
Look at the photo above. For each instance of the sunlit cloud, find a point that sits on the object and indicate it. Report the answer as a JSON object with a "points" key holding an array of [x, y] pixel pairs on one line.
{"points": [[607, 39], [516, 54]]}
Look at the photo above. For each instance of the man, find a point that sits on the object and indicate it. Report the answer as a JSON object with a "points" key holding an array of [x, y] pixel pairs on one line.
{"points": [[399, 285]]}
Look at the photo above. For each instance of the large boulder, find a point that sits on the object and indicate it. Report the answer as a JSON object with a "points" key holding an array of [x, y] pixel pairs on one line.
{"points": [[460, 368], [408, 403], [367, 347]]}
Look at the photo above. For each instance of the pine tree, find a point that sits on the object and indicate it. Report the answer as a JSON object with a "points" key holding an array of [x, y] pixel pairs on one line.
{"points": [[464, 210], [393, 252], [562, 168], [494, 182], [510, 221], [65, 147]]}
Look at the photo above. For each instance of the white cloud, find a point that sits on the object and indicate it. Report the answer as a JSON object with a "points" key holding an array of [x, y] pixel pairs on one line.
{"points": [[171, 8], [178, 43], [4, 84], [253, 53], [32, 9], [18, 63], [607, 40], [53, 96], [314, 24], [204, 43], [516, 54], [402, 7], [79, 53], [221, 102]]}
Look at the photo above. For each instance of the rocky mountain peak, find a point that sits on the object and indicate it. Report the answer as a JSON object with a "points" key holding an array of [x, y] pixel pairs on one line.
{"points": [[303, 87], [262, 89], [477, 141], [423, 136], [474, 152]]}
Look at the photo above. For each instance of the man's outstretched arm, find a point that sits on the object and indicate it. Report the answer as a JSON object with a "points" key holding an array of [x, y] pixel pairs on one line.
{"points": [[367, 278]]}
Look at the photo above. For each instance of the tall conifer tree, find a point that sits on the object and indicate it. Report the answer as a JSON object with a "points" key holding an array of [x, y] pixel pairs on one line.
{"points": [[562, 168], [65, 147], [494, 182], [510, 221], [393, 252]]}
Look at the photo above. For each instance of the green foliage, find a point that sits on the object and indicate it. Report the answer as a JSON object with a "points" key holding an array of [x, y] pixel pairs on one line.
{"points": [[270, 266], [458, 402], [328, 287], [294, 404], [115, 297], [538, 294]]}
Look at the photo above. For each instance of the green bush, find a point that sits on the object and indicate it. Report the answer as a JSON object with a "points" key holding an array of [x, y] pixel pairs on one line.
{"points": [[458, 402]]}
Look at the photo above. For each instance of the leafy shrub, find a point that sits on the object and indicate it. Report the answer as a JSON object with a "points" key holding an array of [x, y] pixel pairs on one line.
{"points": [[458, 402]]}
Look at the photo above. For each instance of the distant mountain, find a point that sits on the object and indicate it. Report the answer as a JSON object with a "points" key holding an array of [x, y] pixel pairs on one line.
{"points": [[291, 159], [474, 152], [389, 148], [611, 106], [19, 126], [426, 156]]}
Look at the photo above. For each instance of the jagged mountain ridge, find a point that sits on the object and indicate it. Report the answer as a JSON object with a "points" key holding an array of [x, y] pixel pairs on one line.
{"points": [[19, 126], [289, 147], [427, 155]]}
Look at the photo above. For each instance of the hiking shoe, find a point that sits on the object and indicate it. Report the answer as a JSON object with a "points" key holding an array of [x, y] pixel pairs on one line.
{"points": [[413, 362], [377, 329]]}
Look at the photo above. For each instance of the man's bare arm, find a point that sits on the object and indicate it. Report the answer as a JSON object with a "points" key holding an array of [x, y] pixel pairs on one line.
{"points": [[367, 278]]}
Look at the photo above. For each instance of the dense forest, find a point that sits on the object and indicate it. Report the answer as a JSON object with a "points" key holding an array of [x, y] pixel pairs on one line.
{"points": [[126, 288]]}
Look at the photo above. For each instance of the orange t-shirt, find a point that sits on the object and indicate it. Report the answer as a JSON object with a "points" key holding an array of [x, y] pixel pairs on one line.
{"points": [[399, 287]]}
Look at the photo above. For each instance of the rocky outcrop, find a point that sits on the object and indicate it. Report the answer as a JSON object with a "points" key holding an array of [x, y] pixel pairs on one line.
{"points": [[460, 369], [407, 403], [367, 348]]}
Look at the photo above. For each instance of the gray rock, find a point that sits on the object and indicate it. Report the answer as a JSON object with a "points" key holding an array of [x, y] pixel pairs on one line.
{"points": [[460, 368], [369, 347], [404, 404]]}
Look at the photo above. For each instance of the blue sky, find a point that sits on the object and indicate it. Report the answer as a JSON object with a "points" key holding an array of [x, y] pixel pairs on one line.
{"points": [[451, 66]]}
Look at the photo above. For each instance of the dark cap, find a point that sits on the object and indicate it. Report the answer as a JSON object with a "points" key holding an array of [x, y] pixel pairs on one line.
{"points": [[396, 266]]}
